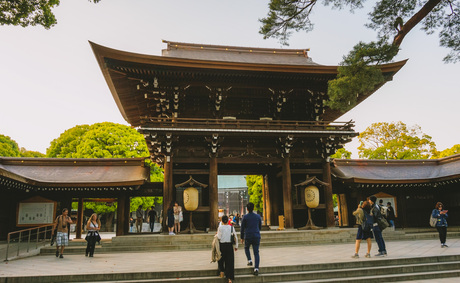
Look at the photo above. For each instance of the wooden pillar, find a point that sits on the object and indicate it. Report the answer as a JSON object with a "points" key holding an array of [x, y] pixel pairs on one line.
{"points": [[78, 226], [287, 197], [213, 195], [330, 222], [266, 196], [123, 207], [274, 199], [167, 189]]}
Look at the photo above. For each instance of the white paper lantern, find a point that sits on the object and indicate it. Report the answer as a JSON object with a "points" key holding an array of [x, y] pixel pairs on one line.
{"points": [[191, 199], [312, 196]]}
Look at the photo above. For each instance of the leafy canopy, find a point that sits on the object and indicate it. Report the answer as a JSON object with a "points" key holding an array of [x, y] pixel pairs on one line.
{"points": [[26, 13], [447, 152], [255, 184], [391, 19], [395, 141], [10, 148], [342, 153]]}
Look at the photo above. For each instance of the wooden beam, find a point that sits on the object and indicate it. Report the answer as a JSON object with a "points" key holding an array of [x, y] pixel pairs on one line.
{"points": [[167, 190], [287, 196], [79, 219], [303, 171], [330, 222], [213, 194]]}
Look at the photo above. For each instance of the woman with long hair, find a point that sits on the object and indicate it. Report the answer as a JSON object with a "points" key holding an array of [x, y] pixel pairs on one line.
{"points": [[170, 218], [92, 226], [227, 261], [177, 217], [362, 213], [441, 223]]}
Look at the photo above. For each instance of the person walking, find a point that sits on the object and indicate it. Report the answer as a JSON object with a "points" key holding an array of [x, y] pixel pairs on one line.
{"points": [[391, 215], [251, 224], [441, 223], [62, 234], [362, 214], [92, 226], [177, 217], [139, 219], [227, 260], [377, 215], [170, 219], [152, 215]]}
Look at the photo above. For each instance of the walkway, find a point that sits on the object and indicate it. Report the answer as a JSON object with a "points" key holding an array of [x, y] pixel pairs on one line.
{"points": [[194, 260]]}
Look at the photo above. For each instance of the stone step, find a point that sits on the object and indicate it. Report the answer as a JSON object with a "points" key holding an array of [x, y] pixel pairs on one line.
{"points": [[375, 270]]}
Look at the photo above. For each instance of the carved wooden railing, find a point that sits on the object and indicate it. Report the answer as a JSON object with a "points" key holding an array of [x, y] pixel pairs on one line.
{"points": [[231, 123]]}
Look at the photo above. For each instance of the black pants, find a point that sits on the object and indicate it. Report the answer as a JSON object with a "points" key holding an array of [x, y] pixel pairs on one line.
{"points": [[442, 230], [152, 225], [91, 245], [227, 261]]}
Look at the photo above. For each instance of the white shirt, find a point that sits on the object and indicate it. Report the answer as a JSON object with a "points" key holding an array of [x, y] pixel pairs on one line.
{"points": [[224, 233]]}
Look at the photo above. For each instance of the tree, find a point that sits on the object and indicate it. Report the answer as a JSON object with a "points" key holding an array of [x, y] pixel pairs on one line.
{"points": [[106, 140], [395, 141], [447, 152], [342, 153], [255, 184], [358, 73], [8, 147], [29, 153], [29, 12]]}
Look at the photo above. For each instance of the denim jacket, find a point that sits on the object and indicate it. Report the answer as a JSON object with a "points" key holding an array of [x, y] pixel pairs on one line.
{"points": [[442, 218]]}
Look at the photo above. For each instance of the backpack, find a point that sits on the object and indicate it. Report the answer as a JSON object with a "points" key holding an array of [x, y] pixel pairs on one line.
{"points": [[368, 222]]}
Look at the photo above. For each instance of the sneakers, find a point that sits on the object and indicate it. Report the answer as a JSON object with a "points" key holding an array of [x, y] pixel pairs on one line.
{"points": [[381, 254], [355, 256], [171, 234], [368, 255], [256, 272], [444, 246], [250, 263], [61, 256]]}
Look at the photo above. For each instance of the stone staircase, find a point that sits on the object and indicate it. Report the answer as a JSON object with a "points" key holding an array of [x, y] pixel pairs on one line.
{"points": [[382, 270], [290, 237]]}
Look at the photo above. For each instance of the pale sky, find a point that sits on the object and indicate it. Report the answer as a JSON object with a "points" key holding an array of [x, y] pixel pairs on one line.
{"points": [[50, 80]]}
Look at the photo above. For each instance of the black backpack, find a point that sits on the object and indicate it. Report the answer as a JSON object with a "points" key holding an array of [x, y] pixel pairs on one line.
{"points": [[368, 222]]}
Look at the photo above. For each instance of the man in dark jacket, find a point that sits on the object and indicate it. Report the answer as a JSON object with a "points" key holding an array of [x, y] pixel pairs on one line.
{"points": [[375, 212], [250, 235]]}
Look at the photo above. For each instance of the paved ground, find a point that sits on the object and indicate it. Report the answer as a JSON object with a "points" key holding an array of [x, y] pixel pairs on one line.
{"points": [[192, 260]]}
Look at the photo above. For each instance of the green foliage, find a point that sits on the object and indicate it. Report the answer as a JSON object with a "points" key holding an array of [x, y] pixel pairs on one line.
{"points": [[359, 73], [30, 153], [447, 152], [342, 153], [395, 141], [103, 140], [8, 147], [29, 12], [146, 202], [255, 184]]}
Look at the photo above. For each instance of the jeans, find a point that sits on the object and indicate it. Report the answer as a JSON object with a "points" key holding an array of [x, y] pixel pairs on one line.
{"points": [[442, 230], [152, 225], [255, 242], [379, 239], [392, 223]]}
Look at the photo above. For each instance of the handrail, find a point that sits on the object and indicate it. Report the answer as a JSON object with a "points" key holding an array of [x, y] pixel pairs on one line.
{"points": [[12, 235], [241, 123]]}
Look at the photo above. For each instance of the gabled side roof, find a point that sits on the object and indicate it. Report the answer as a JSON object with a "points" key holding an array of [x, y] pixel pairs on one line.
{"points": [[397, 171]]}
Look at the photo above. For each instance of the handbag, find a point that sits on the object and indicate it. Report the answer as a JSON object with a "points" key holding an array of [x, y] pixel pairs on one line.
{"points": [[433, 221], [383, 223], [233, 237]]}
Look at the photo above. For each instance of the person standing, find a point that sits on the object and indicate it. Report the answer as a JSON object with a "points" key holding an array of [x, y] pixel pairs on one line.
{"points": [[227, 260], [391, 215], [93, 226], [62, 234], [139, 219], [441, 223], [152, 216], [251, 224], [361, 213], [170, 219], [177, 217], [375, 212]]}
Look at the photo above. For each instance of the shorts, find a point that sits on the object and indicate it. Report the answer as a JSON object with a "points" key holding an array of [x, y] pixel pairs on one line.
{"points": [[361, 235], [62, 239]]}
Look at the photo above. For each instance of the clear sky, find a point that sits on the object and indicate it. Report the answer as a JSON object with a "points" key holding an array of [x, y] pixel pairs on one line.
{"points": [[50, 80]]}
